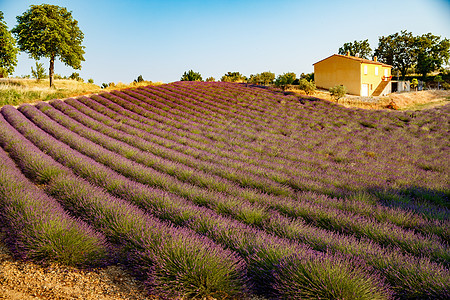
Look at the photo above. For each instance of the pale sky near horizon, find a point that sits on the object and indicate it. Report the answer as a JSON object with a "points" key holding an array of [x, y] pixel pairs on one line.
{"points": [[160, 40]]}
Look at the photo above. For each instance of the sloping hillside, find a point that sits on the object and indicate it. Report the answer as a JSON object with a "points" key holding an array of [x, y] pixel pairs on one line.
{"points": [[222, 190]]}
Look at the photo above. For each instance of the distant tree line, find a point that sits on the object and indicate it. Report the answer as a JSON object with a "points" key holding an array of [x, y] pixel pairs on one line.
{"points": [[425, 53]]}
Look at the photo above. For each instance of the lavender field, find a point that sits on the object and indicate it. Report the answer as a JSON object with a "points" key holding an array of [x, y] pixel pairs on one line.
{"points": [[231, 191]]}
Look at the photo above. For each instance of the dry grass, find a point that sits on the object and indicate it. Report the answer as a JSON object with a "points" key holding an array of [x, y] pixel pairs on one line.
{"points": [[18, 91], [401, 101]]}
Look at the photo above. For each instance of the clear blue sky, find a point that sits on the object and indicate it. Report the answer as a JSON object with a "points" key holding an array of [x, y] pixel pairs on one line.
{"points": [[161, 39]]}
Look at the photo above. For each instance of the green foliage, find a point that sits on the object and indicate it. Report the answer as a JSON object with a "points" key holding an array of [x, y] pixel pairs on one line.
{"points": [[76, 76], [362, 48], [397, 50], [139, 79], [191, 76], [432, 53], [39, 73], [308, 86], [210, 79], [264, 78], [50, 31], [90, 80], [337, 92], [414, 83], [308, 76], [233, 77], [8, 50], [283, 81]]}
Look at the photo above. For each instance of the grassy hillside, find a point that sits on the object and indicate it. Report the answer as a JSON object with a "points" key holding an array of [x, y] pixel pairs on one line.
{"points": [[223, 190], [18, 91]]}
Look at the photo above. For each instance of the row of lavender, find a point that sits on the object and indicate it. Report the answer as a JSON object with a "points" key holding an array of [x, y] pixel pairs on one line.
{"points": [[318, 221]]}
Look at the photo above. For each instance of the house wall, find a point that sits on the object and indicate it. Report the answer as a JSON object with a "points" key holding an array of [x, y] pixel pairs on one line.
{"points": [[373, 80], [338, 71]]}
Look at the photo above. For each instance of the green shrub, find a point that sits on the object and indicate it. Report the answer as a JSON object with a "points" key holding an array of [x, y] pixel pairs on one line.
{"points": [[283, 81], [308, 86], [191, 76], [210, 79], [39, 73], [337, 92], [90, 80]]}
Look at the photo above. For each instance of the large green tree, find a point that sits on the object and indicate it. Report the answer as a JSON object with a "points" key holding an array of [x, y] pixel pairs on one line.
{"points": [[362, 48], [8, 49], [432, 53], [285, 80], [50, 31], [397, 50]]}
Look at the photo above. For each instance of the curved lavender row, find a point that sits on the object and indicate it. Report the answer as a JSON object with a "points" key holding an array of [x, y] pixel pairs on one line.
{"points": [[184, 171], [125, 226], [330, 219], [145, 133], [38, 228], [427, 277], [305, 210], [269, 250], [300, 182]]}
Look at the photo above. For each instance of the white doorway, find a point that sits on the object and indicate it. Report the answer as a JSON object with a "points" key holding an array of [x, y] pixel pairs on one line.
{"points": [[365, 89]]}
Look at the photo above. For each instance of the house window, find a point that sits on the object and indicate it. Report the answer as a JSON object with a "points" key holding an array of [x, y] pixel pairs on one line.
{"points": [[376, 71], [365, 70]]}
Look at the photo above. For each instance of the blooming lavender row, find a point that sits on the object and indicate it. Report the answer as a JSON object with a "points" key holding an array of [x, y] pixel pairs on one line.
{"points": [[400, 217], [408, 266], [330, 219], [38, 228], [146, 243], [368, 181], [183, 172], [171, 145], [269, 250]]}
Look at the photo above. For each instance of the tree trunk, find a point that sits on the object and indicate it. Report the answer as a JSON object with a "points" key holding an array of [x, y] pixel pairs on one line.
{"points": [[50, 71]]}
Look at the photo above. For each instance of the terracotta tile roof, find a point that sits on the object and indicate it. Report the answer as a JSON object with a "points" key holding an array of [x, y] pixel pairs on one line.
{"points": [[362, 60]]}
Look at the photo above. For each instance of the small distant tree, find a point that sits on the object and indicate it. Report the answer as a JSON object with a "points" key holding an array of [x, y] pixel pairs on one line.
{"points": [[264, 78], [210, 79], [139, 79], [50, 31], [283, 81], [39, 72], [233, 77], [337, 92], [414, 83], [308, 76], [90, 80], [308, 86], [362, 48], [75, 76], [191, 76], [8, 50], [438, 79]]}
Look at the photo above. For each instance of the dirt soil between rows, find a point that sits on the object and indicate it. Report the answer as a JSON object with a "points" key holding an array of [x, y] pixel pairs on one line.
{"points": [[24, 280]]}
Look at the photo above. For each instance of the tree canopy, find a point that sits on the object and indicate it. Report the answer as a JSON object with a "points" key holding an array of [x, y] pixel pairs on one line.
{"points": [[264, 78], [50, 31], [286, 79], [233, 77], [8, 49], [432, 53], [397, 50], [426, 53], [362, 48], [191, 76]]}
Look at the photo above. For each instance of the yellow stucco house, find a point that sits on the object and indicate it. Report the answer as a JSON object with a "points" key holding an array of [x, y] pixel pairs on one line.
{"points": [[362, 77]]}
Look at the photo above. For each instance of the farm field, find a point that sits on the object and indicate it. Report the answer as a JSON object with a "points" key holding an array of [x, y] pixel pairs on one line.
{"points": [[227, 191]]}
